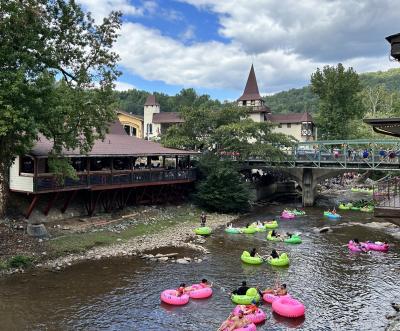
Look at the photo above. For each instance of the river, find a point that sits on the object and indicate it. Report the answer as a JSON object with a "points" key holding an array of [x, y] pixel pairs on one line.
{"points": [[341, 290]]}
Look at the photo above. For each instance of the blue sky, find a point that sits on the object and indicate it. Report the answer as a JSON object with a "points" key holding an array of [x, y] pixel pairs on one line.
{"points": [[209, 45]]}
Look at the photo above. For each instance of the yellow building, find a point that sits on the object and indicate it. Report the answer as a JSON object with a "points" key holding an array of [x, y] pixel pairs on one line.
{"points": [[133, 124]]}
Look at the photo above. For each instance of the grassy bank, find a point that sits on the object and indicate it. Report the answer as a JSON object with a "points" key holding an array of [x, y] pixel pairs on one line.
{"points": [[144, 224]]}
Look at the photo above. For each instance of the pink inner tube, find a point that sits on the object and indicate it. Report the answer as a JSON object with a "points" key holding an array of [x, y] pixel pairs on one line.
{"points": [[250, 327], [355, 248], [270, 298], [377, 247], [258, 317], [287, 215], [169, 296], [288, 307], [200, 292]]}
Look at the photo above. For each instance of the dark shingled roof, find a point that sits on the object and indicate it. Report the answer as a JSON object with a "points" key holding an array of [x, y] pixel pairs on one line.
{"points": [[290, 118], [251, 90], [151, 101], [393, 36], [116, 143], [167, 117]]}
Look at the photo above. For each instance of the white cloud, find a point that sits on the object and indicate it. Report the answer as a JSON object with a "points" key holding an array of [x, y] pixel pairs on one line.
{"points": [[122, 86], [286, 40], [188, 34]]}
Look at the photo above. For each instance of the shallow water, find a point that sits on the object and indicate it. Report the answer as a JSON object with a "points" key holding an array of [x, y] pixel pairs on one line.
{"points": [[341, 290]]}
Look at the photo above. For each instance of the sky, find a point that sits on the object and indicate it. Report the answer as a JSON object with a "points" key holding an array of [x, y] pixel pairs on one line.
{"points": [[209, 45]]}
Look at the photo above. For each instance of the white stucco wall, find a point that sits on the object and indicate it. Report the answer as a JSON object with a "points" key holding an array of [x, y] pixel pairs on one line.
{"points": [[148, 119], [294, 130]]}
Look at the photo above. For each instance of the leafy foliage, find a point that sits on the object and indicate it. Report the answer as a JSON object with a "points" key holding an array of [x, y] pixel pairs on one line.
{"points": [[221, 188], [224, 131], [42, 41], [132, 101], [339, 101]]}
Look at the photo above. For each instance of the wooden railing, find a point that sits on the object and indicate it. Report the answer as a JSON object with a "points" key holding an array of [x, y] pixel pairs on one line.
{"points": [[48, 182]]}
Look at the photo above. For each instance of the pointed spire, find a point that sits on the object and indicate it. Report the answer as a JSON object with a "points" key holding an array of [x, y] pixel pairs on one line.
{"points": [[251, 90]]}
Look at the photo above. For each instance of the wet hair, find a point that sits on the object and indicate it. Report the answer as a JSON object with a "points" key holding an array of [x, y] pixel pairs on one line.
{"points": [[241, 312], [283, 285], [244, 283], [273, 233], [274, 251], [204, 280], [247, 225], [182, 285], [253, 250], [356, 240]]}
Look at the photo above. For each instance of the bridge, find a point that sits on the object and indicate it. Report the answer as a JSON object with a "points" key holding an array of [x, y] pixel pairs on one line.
{"points": [[311, 162]]}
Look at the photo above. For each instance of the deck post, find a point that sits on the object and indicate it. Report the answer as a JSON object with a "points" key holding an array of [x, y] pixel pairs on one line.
{"points": [[50, 203], [32, 206], [70, 197]]}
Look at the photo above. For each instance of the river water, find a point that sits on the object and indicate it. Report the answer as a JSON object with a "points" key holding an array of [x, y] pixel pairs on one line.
{"points": [[341, 290]]}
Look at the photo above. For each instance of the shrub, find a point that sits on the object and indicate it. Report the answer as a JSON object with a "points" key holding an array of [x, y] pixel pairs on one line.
{"points": [[19, 261]]}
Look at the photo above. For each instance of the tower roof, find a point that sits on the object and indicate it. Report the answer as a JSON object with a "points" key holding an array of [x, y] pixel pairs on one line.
{"points": [[151, 101], [251, 90]]}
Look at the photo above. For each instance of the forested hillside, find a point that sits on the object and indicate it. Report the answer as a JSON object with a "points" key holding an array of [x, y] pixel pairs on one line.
{"points": [[301, 100], [295, 100]]}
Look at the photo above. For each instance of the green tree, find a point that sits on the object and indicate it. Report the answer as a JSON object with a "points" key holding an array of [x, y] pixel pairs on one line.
{"points": [[220, 187], [339, 100], [42, 42]]}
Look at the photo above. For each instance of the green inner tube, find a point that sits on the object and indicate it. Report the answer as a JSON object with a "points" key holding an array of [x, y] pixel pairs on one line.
{"points": [[249, 230], [367, 209], [295, 239], [204, 231], [281, 261], [354, 189], [251, 294], [346, 206], [246, 258], [355, 208], [269, 237], [271, 225], [232, 230]]}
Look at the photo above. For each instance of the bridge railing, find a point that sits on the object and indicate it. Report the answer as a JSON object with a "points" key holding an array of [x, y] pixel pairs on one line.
{"points": [[348, 153]]}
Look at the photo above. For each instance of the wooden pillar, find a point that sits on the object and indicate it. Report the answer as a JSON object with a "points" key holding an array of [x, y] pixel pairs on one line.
{"points": [[67, 201], [53, 198], [35, 174], [149, 162], [163, 161], [176, 161], [32, 206], [88, 171]]}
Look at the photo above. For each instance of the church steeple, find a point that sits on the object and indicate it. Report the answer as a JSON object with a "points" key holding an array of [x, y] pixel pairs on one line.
{"points": [[251, 90]]}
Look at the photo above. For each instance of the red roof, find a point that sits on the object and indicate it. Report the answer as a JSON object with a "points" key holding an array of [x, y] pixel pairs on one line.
{"points": [[151, 101], [290, 118], [251, 90], [116, 143], [167, 117]]}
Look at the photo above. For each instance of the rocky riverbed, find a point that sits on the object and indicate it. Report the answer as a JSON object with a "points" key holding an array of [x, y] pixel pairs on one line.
{"points": [[145, 232]]}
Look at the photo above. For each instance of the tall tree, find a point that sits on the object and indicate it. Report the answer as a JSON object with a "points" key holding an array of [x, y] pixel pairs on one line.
{"points": [[41, 42], [339, 100]]}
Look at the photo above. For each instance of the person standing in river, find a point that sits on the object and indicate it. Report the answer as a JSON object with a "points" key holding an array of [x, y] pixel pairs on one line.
{"points": [[203, 219]]}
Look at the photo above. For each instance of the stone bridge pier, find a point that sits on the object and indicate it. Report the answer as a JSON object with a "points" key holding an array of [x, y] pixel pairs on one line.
{"points": [[308, 178]]}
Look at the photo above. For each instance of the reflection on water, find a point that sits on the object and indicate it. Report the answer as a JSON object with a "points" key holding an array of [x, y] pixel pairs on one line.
{"points": [[341, 290]]}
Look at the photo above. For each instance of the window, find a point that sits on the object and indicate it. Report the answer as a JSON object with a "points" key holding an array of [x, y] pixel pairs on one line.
{"points": [[289, 125], [133, 131], [279, 125], [27, 165], [253, 102], [127, 129], [149, 128], [244, 103]]}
